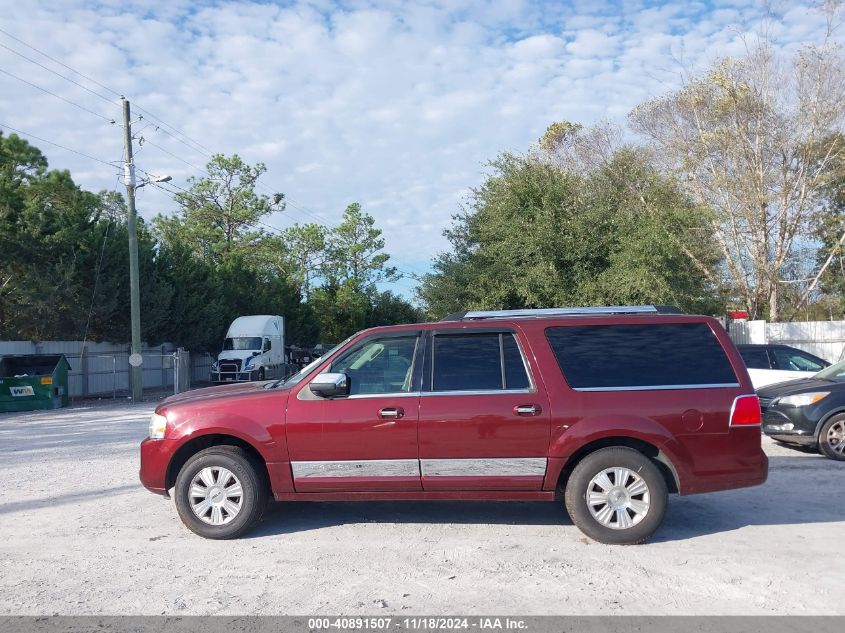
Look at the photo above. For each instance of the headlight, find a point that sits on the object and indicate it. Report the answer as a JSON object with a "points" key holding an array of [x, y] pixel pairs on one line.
{"points": [[158, 423], [249, 361], [803, 399]]}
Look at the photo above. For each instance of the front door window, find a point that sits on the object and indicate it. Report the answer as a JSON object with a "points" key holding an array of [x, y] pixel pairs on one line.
{"points": [[378, 366]]}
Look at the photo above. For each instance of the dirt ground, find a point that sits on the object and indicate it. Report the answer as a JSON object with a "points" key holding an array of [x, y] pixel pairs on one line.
{"points": [[81, 536]]}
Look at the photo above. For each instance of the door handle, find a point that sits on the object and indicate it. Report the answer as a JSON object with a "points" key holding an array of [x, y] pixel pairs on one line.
{"points": [[393, 413], [527, 410]]}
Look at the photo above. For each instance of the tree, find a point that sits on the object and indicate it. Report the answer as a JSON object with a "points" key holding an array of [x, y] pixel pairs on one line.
{"points": [[222, 264], [306, 248], [828, 279], [754, 139], [537, 235], [220, 214], [388, 308], [52, 246], [354, 251], [353, 262], [64, 261]]}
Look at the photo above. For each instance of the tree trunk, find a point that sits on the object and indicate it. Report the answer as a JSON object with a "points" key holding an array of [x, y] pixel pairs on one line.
{"points": [[774, 308]]}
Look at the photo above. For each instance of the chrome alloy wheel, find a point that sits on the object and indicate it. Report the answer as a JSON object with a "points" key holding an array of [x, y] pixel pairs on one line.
{"points": [[618, 498], [216, 495], [836, 437]]}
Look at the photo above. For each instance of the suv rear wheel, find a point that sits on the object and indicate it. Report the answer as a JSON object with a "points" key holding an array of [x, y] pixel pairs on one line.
{"points": [[616, 496], [221, 492]]}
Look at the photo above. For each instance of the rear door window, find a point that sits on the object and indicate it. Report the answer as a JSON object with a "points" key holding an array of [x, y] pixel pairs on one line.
{"points": [[515, 374], [489, 361], [640, 356], [755, 357]]}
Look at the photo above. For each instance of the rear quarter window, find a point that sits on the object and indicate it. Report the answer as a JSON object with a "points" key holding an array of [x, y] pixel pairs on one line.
{"points": [[640, 356]]}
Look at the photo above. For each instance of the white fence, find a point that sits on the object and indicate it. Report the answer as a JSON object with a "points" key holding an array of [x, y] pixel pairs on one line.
{"points": [[102, 369], [825, 339]]}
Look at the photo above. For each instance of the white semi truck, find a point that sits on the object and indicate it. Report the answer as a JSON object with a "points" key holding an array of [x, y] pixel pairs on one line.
{"points": [[254, 349]]}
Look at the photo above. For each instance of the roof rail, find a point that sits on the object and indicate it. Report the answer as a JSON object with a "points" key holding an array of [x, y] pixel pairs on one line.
{"points": [[549, 312]]}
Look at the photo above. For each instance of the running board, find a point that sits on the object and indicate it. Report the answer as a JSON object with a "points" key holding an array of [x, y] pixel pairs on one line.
{"points": [[420, 495]]}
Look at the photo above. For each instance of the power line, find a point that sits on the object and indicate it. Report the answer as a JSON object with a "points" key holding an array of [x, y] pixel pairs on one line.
{"points": [[62, 64], [44, 140], [163, 127], [73, 103], [146, 141], [200, 148], [174, 132], [58, 74]]}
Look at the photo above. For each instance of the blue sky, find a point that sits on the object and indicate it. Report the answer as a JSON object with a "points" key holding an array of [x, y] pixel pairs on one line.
{"points": [[396, 105]]}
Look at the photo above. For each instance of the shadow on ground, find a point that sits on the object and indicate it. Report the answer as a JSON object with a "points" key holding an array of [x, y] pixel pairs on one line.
{"points": [[778, 502]]}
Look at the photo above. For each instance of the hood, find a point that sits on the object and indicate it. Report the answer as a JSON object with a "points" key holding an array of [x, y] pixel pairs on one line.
{"points": [[236, 354], [791, 387], [210, 393]]}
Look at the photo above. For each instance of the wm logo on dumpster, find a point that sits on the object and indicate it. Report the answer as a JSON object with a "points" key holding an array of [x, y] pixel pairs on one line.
{"points": [[26, 390]]}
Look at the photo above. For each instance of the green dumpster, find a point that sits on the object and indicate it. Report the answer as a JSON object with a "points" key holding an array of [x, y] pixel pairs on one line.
{"points": [[33, 381]]}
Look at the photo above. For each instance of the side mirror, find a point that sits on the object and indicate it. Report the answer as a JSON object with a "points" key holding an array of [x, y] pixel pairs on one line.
{"points": [[328, 385], [256, 353]]}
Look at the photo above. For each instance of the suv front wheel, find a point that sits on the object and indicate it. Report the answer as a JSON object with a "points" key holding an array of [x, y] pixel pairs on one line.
{"points": [[616, 496], [221, 492]]}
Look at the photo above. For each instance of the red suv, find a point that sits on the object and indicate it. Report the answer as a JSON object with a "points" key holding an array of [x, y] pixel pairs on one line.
{"points": [[608, 408]]}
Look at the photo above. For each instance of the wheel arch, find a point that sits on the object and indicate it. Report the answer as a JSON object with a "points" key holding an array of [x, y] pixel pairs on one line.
{"points": [[661, 459], [208, 440], [824, 419]]}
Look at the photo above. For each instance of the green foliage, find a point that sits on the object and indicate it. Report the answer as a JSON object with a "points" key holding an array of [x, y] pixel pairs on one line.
{"points": [[64, 256], [537, 235], [354, 254], [222, 264], [51, 233], [219, 215], [352, 263]]}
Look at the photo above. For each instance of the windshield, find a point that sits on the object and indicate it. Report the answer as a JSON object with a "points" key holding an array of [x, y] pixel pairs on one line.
{"points": [[242, 343], [302, 373], [834, 373]]}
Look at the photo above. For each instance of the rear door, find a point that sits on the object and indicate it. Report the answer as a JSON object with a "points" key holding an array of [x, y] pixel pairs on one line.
{"points": [[483, 422]]}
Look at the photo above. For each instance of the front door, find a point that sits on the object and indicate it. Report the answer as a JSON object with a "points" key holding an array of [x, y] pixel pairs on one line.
{"points": [[366, 441], [484, 422]]}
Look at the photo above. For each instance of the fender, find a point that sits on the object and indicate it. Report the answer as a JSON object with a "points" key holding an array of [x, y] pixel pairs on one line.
{"points": [[824, 420], [227, 423], [566, 441]]}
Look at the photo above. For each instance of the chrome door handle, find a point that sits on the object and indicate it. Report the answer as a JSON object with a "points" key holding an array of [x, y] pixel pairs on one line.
{"points": [[393, 413], [526, 410]]}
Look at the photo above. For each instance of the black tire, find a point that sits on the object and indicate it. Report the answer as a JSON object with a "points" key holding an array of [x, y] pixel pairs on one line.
{"points": [[830, 446], [578, 486], [261, 374], [254, 485]]}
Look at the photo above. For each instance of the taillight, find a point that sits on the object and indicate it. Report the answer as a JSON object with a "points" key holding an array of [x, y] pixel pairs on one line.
{"points": [[746, 411]]}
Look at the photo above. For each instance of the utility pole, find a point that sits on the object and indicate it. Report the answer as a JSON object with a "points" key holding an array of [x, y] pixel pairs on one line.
{"points": [[135, 359]]}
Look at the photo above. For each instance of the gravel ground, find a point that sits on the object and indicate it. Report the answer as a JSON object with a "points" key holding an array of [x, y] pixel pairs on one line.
{"points": [[81, 536]]}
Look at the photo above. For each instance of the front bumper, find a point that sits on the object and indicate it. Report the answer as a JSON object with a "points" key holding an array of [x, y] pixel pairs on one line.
{"points": [[155, 459], [796, 425], [233, 376]]}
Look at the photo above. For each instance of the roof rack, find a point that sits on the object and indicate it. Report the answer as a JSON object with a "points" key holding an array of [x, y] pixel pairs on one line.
{"points": [[473, 315]]}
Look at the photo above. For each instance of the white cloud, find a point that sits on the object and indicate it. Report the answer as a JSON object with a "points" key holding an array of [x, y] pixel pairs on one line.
{"points": [[396, 105]]}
